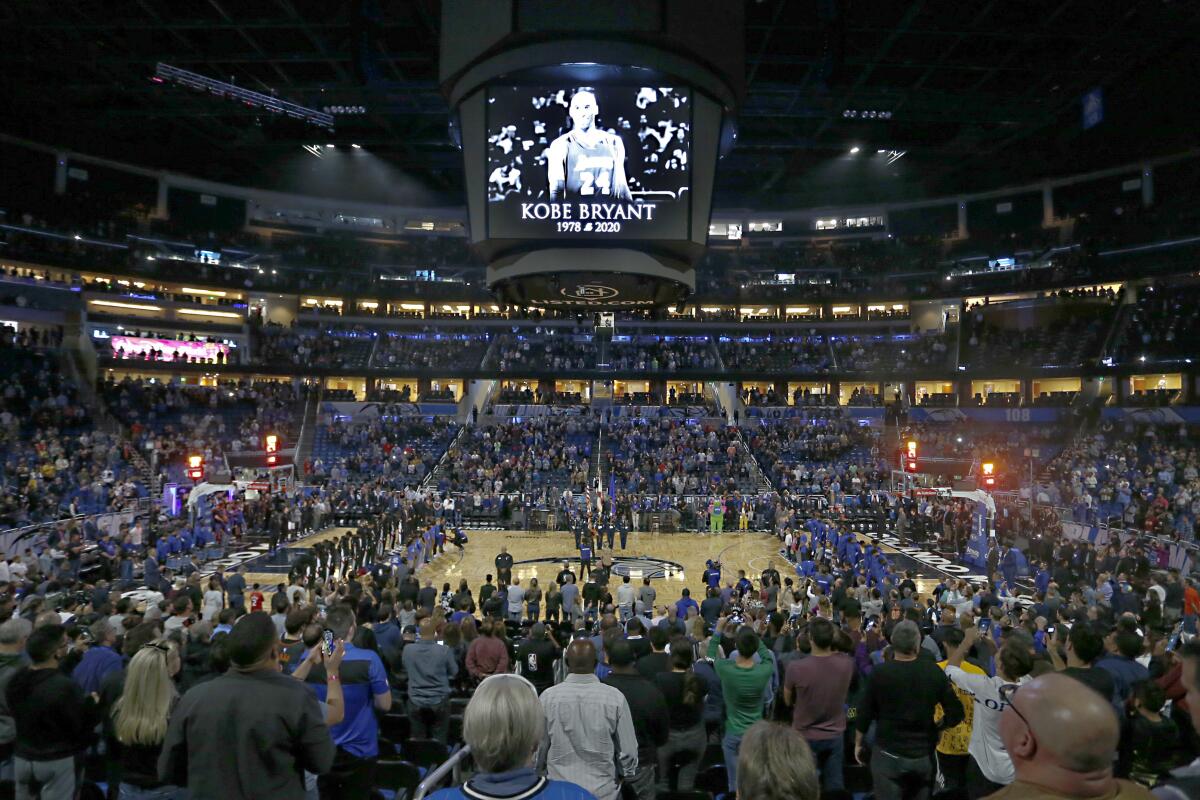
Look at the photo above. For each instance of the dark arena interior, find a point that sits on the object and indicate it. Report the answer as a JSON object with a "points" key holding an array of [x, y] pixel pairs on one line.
{"points": [[568, 399]]}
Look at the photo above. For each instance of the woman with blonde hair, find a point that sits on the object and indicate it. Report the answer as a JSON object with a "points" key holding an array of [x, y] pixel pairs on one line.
{"points": [[140, 721], [504, 726]]}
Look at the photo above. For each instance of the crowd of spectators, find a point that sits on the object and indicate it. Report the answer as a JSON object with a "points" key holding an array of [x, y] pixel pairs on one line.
{"points": [[398, 450], [800, 354], [429, 350], [181, 419], [540, 454], [894, 353], [1134, 476], [54, 461], [1073, 336], [830, 672], [656, 354], [548, 351], [341, 348], [811, 452], [1162, 326], [668, 456]]}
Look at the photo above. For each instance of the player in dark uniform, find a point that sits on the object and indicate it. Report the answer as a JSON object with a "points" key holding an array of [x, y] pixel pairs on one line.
{"points": [[587, 163]]}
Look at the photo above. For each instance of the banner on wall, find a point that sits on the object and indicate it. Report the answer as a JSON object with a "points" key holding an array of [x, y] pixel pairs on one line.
{"points": [[951, 415], [801, 412], [671, 412], [1172, 555], [365, 412], [1166, 415]]}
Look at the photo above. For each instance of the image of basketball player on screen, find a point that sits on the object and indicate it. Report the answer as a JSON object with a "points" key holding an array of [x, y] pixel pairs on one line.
{"points": [[587, 163]]}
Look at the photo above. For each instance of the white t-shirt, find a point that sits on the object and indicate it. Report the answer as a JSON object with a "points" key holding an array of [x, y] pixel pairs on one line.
{"points": [[986, 747]]}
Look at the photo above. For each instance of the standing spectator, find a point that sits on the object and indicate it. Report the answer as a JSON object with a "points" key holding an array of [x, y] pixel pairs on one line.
{"points": [[365, 688], [235, 585], [1149, 741], [684, 693], [589, 728], [537, 655], [533, 600], [214, 599], [54, 720], [651, 723], [990, 768], [657, 660], [953, 749], [487, 654], [430, 667], [1184, 783], [516, 600], [625, 599], [1084, 647], [99, 660], [504, 726], [140, 719], [1124, 647], [900, 698], [743, 684], [775, 763], [816, 688], [1061, 736], [427, 596], [251, 732], [13, 635]]}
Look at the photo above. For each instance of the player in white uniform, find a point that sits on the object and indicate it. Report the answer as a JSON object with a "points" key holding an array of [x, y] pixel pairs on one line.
{"points": [[587, 163]]}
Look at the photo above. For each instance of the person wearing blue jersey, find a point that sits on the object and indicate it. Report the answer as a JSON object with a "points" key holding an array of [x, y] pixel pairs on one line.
{"points": [[364, 689]]}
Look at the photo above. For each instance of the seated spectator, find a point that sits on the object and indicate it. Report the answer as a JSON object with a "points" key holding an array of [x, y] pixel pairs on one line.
{"points": [[504, 726]]}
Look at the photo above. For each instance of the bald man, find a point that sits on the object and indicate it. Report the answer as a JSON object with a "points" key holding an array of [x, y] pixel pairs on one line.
{"points": [[1061, 736], [589, 728]]}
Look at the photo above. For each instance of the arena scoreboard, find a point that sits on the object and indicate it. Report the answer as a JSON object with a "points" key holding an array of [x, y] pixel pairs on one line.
{"points": [[590, 136]]}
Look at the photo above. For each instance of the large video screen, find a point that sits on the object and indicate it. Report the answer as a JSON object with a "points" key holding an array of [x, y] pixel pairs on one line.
{"points": [[593, 163], [169, 349]]}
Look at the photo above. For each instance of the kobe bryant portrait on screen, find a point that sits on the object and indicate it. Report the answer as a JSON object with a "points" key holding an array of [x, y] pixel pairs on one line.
{"points": [[586, 163]]}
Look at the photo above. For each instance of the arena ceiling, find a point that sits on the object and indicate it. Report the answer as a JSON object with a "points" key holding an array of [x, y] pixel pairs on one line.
{"points": [[977, 95]]}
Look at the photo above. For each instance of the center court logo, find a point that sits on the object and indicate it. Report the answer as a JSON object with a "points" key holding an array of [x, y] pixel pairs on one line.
{"points": [[590, 291]]}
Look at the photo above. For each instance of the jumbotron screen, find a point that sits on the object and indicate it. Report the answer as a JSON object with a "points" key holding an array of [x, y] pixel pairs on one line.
{"points": [[588, 163]]}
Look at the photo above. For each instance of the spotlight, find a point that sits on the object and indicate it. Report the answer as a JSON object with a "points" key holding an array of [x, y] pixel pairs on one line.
{"points": [[854, 150], [880, 152], [329, 146], [357, 146]]}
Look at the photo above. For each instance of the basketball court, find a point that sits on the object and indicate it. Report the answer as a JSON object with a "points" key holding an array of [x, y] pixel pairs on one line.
{"points": [[671, 560]]}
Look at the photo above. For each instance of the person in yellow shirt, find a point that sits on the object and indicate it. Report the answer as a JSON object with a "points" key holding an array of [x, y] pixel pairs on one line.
{"points": [[952, 755]]}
